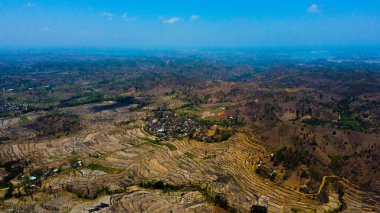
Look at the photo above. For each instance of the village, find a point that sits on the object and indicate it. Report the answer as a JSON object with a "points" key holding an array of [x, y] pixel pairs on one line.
{"points": [[165, 125], [11, 108], [22, 180]]}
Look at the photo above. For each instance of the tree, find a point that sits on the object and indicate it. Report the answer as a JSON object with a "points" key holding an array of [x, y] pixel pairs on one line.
{"points": [[221, 201], [258, 209]]}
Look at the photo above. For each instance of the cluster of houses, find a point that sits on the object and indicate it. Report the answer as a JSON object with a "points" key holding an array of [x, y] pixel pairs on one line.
{"points": [[166, 125], [305, 188], [45, 175], [77, 164], [266, 172], [95, 154], [50, 172], [7, 108], [33, 183]]}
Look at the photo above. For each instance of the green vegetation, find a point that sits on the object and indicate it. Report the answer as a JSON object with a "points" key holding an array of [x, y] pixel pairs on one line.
{"points": [[218, 199], [258, 209], [315, 122], [24, 119], [343, 204], [126, 122], [160, 185], [336, 163], [290, 158], [189, 115], [352, 117], [266, 173], [81, 99], [158, 143], [222, 134], [14, 169], [170, 146], [57, 123], [221, 201], [189, 155], [125, 99], [2, 138], [352, 124], [304, 174], [108, 170], [295, 210], [348, 120]]}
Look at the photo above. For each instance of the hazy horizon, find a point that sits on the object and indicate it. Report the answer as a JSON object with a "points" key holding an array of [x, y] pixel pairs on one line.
{"points": [[197, 24]]}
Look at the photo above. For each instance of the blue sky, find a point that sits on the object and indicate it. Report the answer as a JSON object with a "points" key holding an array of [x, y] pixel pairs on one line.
{"points": [[188, 23]]}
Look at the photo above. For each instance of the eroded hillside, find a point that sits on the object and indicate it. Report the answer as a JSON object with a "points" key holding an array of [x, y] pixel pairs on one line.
{"points": [[190, 135]]}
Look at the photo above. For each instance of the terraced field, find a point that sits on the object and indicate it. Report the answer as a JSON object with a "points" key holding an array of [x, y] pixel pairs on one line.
{"points": [[129, 159]]}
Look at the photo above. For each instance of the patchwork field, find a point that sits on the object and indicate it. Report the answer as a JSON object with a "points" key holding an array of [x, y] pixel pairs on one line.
{"points": [[132, 172], [188, 132]]}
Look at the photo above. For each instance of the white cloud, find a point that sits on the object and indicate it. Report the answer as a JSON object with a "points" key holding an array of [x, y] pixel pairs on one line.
{"points": [[171, 20], [30, 5], [108, 15], [314, 8], [194, 17], [126, 17]]}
